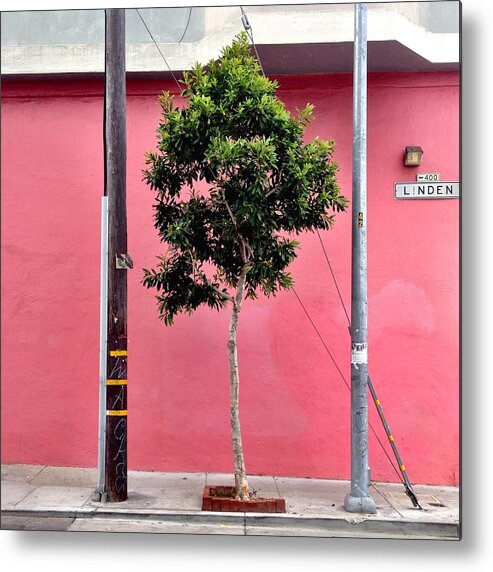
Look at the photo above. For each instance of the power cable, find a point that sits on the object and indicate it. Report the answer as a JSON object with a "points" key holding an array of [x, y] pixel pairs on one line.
{"points": [[186, 28], [334, 278], [249, 31], [403, 475], [321, 339], [159, 49], [344, 380]]}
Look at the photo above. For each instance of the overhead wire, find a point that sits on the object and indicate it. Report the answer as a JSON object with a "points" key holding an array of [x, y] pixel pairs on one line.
{"points": [[321, 338], [344, 379], [246, 25], [249, 31], [402, 476], [333, 276], [186, 27], [158, 48]]}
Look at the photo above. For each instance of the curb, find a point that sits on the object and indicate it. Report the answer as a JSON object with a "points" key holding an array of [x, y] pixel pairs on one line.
{"points": [[328, 526]]}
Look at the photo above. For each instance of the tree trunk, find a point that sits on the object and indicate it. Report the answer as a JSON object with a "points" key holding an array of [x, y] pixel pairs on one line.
{"points": [[242, 489]]}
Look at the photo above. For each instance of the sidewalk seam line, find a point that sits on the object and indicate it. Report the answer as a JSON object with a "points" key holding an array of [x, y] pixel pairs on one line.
{"points": [[39, 472], [27, 495], [277, 488]]}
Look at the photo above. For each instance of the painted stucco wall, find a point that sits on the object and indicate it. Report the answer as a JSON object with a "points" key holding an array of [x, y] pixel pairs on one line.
{"points": [[294, 403]]}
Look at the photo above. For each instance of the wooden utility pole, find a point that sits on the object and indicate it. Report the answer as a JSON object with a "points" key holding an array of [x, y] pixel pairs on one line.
{"points": [[118, 260]]}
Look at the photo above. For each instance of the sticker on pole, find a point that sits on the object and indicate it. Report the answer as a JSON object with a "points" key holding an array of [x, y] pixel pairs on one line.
{"points": [[359, 354]]}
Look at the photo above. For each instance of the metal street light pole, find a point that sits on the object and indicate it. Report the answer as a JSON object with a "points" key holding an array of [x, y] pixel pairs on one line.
{"points": [[359, 499]]}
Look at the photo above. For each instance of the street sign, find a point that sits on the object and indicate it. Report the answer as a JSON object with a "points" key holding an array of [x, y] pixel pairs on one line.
{"points": [[418, 190]]}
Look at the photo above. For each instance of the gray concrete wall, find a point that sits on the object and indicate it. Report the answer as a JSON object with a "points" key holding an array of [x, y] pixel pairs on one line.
{"points": [[172, 25], [440, 17], [72, 41], [44, 28]]}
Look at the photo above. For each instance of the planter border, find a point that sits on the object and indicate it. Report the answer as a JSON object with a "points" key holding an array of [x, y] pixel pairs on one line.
{"points": [[213, 501]]}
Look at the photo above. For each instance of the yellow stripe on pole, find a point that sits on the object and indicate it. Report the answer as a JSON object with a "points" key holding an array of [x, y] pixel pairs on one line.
{"points": [[116, 382], [403, 468], [391, 437], [118, 353], [377, 402], [117, 412]]}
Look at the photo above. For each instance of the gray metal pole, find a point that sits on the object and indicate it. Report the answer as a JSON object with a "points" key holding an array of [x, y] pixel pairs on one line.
{"points": [[359, 499]]}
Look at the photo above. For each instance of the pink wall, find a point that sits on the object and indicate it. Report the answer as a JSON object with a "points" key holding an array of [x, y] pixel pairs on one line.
{"points": [[294, 404]]}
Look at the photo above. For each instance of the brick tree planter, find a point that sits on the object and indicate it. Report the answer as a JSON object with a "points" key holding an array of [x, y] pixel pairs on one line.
{"points": [[222, 499]]}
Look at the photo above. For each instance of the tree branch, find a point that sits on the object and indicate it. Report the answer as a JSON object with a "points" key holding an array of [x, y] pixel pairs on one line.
{"points": [[241, 283], [224, 295], [245, 246], [228, 208]]}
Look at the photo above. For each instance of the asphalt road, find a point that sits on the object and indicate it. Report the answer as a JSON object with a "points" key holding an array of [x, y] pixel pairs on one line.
{"points": [[14, 522], [34, 523]]}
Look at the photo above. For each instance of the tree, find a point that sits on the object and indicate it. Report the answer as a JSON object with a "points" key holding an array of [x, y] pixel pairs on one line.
{"points": [[259, 183]]}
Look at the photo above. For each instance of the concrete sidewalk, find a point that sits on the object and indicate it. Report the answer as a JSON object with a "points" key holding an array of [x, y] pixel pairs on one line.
{"points": [[171, 502]]}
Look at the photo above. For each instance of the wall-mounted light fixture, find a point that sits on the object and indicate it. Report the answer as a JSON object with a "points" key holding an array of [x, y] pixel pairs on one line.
{"points": [[413, 156]]}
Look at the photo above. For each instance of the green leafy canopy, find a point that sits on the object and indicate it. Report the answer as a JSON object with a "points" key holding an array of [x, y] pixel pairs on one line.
{"points": [[236, 139]]}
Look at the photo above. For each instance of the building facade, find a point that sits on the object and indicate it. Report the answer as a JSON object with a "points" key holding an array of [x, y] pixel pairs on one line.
{"points": [[295, 405]]}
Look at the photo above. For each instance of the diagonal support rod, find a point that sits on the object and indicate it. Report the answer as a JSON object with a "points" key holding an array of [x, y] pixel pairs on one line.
{"points": [[407, 484]]}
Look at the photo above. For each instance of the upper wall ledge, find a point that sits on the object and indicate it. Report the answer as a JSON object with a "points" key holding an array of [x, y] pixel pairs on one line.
{"points": [[293, 25]]}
